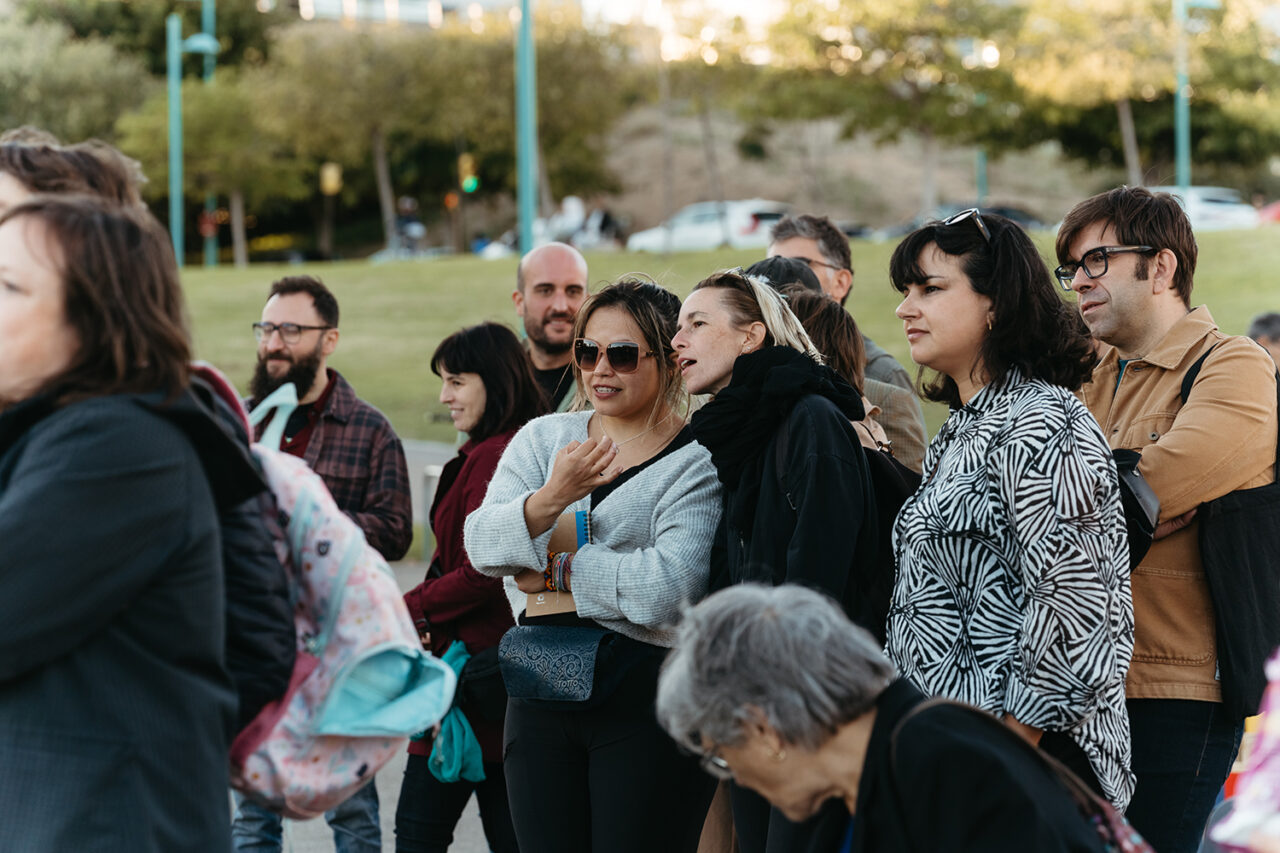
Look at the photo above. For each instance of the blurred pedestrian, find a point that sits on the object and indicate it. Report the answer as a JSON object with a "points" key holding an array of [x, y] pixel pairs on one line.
{"points": [[819, 243], [1130, 256], [1012, 591], [489, 388], [776, 689], [551, 282], [798, 502], [114, 697], [1265, 329], [603, 522]]}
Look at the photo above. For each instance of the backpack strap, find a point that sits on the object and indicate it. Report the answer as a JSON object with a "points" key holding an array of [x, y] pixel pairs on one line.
{"points": [[1190, 378], [781, 450], [283, 401]]}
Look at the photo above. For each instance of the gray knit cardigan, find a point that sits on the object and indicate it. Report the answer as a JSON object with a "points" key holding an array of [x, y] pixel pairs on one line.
{"points": [[651, 537]]}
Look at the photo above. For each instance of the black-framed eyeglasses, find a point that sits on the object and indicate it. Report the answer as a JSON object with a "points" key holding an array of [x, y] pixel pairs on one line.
{"points": [[965, 215], [715, 766], [290, 333], [623, 356], [811, 261], [1094, 263]]}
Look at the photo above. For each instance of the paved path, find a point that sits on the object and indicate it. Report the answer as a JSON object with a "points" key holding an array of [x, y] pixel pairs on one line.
{"points": [[314, 836]]}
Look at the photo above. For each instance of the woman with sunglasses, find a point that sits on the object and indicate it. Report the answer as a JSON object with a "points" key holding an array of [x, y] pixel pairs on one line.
{"points": [[1012, 592], [602, 521], [798, 506], [490, 390]]}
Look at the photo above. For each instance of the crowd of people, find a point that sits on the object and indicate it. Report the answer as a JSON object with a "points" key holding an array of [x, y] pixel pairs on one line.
{"points": [[717, 590]]}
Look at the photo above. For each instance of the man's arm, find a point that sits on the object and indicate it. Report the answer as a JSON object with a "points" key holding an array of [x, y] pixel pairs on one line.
{"points": [[386, 516], [1224, 436]]}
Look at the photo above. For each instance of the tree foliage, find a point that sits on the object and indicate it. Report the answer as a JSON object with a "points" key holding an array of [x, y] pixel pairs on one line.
{"points": [[73, 88]]}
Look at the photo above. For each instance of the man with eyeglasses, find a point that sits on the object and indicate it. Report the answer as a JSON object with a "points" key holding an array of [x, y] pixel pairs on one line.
{"points": [[817, 242], [1130, 255], [551, 284], [357, 454]]}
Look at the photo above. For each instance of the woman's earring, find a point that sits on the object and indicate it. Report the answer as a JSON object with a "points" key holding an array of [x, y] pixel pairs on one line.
{"points": [[989, 323]]}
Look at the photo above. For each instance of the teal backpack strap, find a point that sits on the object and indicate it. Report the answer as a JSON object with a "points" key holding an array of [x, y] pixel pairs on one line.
{"points": [[282, 401]]}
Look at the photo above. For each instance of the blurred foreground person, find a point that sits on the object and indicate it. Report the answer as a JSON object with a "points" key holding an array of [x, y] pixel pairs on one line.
{"points": [[1012, 592], [114, 699], [92, 168], [775, 688], [489, 388]]}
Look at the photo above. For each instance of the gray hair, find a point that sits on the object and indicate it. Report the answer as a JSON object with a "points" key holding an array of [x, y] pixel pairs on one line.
{"points": [[1265, 326], [831, 241], [786, 655]]}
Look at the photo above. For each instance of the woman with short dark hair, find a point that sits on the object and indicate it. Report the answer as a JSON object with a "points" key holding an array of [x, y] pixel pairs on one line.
{"points": [[488, 385], [775, 688], [114, 697], [1012, 591]]}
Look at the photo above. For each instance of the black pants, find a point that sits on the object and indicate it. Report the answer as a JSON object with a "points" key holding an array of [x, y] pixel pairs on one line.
{"points": [[604, 779], [429, 809], [1182, 753]]}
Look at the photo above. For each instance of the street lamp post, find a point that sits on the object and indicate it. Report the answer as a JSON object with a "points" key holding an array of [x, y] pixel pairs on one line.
{"points": [[526, 126], [1181, 94], [175, 46], [208, 17]]}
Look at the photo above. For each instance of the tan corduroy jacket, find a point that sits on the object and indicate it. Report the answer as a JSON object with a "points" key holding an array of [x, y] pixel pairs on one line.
{"points": [[1223, 439]]}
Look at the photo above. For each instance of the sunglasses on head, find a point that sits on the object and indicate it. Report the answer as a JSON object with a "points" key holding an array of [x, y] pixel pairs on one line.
{"points": [[623, 356], [965, 215]]}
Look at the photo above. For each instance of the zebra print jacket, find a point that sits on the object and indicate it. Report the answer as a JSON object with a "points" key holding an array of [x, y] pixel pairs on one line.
{"points": [[1012, 591]]}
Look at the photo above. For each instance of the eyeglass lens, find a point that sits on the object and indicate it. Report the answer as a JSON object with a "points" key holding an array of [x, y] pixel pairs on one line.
{"points": [[623, 356]]}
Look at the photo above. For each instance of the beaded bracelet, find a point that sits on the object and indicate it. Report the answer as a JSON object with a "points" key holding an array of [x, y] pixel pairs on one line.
{"points": [[559, 570]]}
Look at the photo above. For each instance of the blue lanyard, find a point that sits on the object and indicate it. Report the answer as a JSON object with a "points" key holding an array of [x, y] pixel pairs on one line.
{"points": [[846, 846]]}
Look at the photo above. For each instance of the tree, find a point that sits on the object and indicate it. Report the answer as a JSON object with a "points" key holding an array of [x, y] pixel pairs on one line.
{"points": [[73, 89], [928, 67], [137, 27], [227, 150]]}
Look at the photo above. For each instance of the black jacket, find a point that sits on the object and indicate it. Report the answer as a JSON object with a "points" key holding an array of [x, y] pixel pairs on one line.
{"points": [[114, 699], [798, 502], [956, 782], [261, 638]]}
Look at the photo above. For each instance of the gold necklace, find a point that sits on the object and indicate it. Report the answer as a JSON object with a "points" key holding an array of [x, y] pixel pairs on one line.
{"points": [[637, 435]]}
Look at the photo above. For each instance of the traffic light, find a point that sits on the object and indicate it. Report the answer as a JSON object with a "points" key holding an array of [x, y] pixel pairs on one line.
{"points": [[467, 177]]}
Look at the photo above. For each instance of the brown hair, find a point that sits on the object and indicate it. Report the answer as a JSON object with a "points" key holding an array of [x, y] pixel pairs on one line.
{"points": [[832, 330], [122, 297], [833, 245], [326, 303], [92, 168], [1139, 217], [511, 393]]}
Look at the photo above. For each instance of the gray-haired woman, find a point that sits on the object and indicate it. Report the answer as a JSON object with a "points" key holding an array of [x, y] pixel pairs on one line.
{"points": [[776, 688]]}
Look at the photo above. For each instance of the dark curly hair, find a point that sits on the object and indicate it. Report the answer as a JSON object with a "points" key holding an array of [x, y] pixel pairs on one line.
{"points": [[1033, 328]]}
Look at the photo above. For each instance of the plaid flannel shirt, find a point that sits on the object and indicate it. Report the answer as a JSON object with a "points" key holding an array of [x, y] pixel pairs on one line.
{"points": [[360, 458]]}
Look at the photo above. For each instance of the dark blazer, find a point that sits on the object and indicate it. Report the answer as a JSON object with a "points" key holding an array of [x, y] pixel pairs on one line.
{"points": [[114, 699], [956, 783]]}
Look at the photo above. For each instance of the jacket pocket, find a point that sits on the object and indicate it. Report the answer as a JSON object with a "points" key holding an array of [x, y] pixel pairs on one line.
{"points": [[1173, 617], [70, 791], [1146, 429]]}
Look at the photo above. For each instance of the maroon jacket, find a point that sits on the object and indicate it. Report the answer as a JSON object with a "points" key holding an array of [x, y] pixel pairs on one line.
{"points": [[462, 604]]}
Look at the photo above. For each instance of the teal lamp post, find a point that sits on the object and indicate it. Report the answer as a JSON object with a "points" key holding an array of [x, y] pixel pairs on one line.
{"points": [[175, 46], [208, 18], [1181, 99], [526, 126]]}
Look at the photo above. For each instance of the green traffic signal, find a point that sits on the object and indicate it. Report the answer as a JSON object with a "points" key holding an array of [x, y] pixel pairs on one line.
{"points": [[470, 184]]}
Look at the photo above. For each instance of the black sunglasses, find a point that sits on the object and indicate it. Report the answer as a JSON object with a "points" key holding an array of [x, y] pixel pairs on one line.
{"points": [[623, 356], [965, 215], [1094, 263]]}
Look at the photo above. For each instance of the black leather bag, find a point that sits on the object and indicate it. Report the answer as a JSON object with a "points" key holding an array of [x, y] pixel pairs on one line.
{"points": [[1240, 550], [1140, 504], [481, 692]]}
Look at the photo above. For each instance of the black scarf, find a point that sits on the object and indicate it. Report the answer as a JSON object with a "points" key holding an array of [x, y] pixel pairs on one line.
{"points": [[739, 422]]}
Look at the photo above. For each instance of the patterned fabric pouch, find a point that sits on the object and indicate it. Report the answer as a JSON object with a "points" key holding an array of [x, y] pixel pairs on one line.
{"points": [[551, 663]]}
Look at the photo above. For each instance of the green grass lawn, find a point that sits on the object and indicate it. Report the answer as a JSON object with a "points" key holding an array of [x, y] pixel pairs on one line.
{"points": [[394, 315]]}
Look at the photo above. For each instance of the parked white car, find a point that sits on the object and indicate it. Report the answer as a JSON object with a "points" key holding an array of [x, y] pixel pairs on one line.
{"points": [[699, 226], [1214, 208]]}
